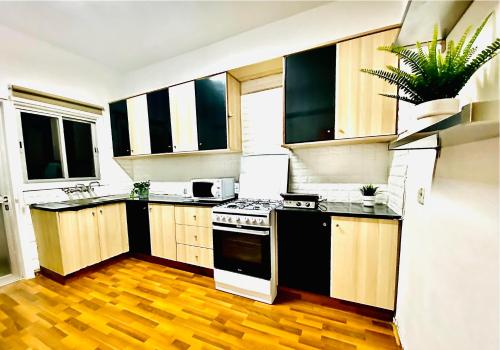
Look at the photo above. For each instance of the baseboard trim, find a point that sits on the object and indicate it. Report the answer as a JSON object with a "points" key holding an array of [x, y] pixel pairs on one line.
{"points": [[176, 264], [63, 279], [360, 309]]}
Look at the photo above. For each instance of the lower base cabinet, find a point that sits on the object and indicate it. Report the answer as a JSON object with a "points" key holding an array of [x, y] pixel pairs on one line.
{"points": [[195, 255], [138, 227], [68, 241], [364, 260], [162, 230]]}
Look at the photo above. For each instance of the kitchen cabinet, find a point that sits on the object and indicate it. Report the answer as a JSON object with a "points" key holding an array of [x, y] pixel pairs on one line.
{"points": [[195, 255], [113, 234], [119, 128], [68, 241], [360, 110], [364, 260], [194, 216], [160, 131], [183, 117], [162, 230], [137, 113], [211, 113], [304, 251], [310, 95], [138, 227], [194, 235]]}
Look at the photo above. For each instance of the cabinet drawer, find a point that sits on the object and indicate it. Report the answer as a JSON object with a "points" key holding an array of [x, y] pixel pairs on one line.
{"points": [[195, 255], [193, 216], [194, 235]]}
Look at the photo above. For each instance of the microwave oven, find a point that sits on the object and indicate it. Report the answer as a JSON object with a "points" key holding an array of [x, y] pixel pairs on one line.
{"points": [[213, 189]]}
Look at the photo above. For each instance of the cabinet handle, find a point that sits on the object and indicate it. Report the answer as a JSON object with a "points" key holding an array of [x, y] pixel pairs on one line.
{"points": [[93, 214], [342, 131], [337, 225], [324, 224], [194, 217], [196, 256], [195, 237], [100, 211]]}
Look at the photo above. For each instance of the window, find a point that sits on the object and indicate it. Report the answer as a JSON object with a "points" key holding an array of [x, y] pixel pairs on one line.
{"points": [[58, 148]]}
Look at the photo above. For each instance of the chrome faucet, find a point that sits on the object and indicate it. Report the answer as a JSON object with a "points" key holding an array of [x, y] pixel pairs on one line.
{"points": [[80, 188], [90, 187]]}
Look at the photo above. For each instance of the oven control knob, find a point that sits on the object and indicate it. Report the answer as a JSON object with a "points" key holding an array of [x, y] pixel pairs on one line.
{"points": [[261, 221], [223, 218], [229, 219], [308, 204], [247, 220], [254, 221], [237, 220], [298, 204]]}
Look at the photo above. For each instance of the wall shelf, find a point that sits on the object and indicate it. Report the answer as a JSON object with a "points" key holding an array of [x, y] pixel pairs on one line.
{"points": [[340, 142], [178, 154], [421, 16], [476, 121]]}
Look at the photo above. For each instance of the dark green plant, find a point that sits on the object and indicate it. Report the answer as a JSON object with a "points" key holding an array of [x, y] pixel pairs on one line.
{"points": [[141, 189], [434, 75], [369, 190]]}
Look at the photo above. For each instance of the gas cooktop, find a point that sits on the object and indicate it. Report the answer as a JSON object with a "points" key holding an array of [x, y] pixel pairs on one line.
{"points": [[248, 205]]}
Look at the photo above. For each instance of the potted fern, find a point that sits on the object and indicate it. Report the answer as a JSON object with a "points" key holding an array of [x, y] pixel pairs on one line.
{"points": [[140, 190], [369, 192], [435, 79]]}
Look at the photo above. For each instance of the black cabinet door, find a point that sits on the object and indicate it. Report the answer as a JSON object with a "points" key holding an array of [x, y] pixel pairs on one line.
{"points": [[211, 115], [304, 251], [139, 239], [310, 95], [160, 130], [119, 128]]}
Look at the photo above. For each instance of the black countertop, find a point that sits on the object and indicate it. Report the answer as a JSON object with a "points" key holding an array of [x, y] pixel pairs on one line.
{"points": [[92, 202], [380, 211]]}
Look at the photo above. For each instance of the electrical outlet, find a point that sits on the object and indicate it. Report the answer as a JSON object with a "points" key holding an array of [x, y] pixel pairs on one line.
{"points": [[421, 195]]}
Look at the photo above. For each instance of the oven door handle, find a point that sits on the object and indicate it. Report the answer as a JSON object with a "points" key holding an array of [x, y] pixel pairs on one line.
{"points": [[241, 230]]}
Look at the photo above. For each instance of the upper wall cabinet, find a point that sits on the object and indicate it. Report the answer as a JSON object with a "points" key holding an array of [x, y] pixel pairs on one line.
{"points": [[119, 128], [160, 132], [211, 112], [310, 95], [199, 115], [361, 111], [137, 108], [183, 117]]}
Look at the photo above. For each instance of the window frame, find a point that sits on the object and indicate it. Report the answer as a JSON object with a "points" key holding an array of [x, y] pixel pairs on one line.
{"points": [[27, 106]]}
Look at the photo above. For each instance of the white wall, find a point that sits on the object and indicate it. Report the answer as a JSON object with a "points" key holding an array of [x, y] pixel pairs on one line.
{"points": [[448, 293], [32, 63], [307, 29]]}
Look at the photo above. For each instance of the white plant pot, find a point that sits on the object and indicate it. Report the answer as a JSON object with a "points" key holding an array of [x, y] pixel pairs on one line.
{"points": [[441, 108], [368, 201]]}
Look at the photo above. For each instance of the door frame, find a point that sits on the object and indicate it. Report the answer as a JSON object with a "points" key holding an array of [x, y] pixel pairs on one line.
{"points": [[10, 222]]}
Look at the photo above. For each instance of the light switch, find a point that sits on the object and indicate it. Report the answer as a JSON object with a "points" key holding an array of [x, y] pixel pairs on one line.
{"points": [[421, 195]]}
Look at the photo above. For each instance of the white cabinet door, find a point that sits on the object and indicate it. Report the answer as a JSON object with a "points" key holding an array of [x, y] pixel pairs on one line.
{"points": [[183, 117], [138, 124]]}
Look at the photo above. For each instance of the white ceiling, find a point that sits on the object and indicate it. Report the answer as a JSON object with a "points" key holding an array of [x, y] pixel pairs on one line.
{"points": [[130, 35]]}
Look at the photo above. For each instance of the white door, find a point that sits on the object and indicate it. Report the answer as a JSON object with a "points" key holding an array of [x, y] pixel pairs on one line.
{"points": [[183, 117], [9, 270], [138, 125]]}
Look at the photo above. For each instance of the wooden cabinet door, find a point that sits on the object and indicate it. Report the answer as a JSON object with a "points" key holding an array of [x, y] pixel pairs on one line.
{"points": [[113, 235], [361, 111], [364, 260], [195, 255], [183, 117], [88, 229], [160, 131], [162, 230], [211, 113], [193, 216], [70, 242], [310, 95], [234, 113], [119, 128], [137, 108]]}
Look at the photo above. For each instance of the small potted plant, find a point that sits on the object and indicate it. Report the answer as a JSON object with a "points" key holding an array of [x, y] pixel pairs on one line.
{"points": [[369, 192], [140, 190], [435, 79]]}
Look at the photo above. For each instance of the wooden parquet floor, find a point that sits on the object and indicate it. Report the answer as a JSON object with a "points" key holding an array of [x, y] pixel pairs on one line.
{"points": [[134, 304]]}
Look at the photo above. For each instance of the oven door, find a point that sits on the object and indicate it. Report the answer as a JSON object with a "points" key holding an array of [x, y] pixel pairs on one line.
{"points": [[204, 189], [246, 251]]}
